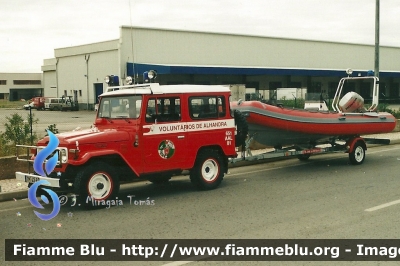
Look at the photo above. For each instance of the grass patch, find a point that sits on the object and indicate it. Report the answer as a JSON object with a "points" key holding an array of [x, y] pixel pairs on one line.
{"points": [[14, 104]]}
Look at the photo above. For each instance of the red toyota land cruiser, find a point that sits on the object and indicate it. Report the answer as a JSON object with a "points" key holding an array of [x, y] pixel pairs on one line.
{"points": [[147, 131]]}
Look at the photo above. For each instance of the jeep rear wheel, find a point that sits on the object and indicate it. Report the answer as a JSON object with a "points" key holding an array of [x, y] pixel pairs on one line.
{"points": [[96, 183], [208, 170]]}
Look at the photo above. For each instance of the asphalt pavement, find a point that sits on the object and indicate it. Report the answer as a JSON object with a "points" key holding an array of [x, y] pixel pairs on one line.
{"points": [[12, 189]]}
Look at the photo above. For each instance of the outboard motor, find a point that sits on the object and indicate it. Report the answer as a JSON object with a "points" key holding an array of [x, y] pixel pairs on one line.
{"points": [[352, 102]]}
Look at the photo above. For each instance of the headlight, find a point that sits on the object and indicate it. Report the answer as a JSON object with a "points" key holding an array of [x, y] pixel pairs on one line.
{"points": [[63, 154]]}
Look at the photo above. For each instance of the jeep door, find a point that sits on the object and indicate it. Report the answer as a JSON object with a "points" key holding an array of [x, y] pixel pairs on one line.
{"points": [[164, 135]]}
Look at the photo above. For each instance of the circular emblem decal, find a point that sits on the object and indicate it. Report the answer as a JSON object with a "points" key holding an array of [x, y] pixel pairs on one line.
{"points": [[166, 149]]}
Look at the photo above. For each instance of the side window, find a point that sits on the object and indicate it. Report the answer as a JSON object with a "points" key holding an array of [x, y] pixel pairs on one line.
{"points": [[211, 107], [163, 110]]}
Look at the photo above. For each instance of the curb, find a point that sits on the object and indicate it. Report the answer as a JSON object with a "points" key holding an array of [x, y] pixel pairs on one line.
{"points": [[7, 196]]}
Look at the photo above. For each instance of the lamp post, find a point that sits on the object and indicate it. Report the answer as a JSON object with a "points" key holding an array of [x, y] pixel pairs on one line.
{"points": [[57, 74], [87, 56], [376, 69]]}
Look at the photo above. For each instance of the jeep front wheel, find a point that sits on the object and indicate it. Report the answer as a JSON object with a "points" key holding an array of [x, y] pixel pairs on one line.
{"points": [[96, 183], [208, 170]]}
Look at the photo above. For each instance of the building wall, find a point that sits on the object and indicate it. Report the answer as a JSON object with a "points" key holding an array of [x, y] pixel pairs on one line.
{"points": [[80, 68], [50, 77], [174, 47], [16, 86]]}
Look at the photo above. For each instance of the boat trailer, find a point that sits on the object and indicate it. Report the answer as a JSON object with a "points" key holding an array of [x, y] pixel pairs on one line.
{"points": [[355, 146]]}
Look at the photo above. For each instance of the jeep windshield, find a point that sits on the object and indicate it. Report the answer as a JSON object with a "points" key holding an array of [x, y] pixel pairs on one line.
{"points": [[120, 107]]}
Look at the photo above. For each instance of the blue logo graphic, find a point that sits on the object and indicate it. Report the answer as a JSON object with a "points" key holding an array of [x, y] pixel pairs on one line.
{"points": [[52, 158], [46, 152], [32, 198]]}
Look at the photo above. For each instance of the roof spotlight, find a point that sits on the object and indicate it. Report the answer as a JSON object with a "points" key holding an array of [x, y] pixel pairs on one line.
{"points": [[129, 80], [349, 71], [152, 74], [112, 80], [107, 79]]}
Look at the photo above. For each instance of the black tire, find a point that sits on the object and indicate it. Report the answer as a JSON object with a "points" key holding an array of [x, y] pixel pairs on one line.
{"points": [[242, 128], [159, 179], [208, 171], [303, 157], [357, 156], [95, 184]]}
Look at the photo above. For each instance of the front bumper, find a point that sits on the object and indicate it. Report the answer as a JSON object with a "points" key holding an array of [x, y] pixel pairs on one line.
{"points": [[31, 178]]}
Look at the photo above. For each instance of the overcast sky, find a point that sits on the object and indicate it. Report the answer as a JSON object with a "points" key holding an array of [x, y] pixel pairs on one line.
{"points": [[31, 30]]}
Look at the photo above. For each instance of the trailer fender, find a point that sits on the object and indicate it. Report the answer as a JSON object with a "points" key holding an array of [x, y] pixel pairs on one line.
{"points": [[352, 142]]}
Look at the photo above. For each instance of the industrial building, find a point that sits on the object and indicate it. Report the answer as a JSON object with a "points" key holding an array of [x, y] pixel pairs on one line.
{"points": [[188, 57], [20, 86]]}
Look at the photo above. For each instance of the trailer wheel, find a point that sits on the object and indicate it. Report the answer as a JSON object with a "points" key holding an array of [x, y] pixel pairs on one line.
{"points": [[357, 156], [242, 128], [96, 183], [208, 170]]}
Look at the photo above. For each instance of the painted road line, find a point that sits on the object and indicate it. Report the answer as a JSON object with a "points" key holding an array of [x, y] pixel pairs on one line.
{"points": [[383, 206], [383, 150]]}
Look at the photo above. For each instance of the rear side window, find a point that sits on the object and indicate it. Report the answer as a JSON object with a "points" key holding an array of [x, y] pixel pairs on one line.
{"points": [[208, 107], [163, 110]]}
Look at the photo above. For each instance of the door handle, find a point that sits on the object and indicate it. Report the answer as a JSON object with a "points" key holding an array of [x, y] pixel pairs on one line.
{"points": [[181, 137]]}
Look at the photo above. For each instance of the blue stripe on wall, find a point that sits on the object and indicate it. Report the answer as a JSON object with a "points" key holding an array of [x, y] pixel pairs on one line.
{"points": [[163, 69]]}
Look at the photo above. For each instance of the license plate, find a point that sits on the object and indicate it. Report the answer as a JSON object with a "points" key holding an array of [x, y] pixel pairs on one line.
{"points": [[31, 179]]}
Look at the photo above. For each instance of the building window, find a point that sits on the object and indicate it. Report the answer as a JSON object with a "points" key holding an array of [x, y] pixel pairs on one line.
{"points": [[80, 92], [3, 82], [294, 84], [315, 87], [365, 89], [273, 85], [27, 82], [394, 90], [65, 93], [332, 87]]}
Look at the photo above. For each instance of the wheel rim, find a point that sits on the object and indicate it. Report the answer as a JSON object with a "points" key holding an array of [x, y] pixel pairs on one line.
{"points": [[359, 154], [100, 186], [210, 170]]}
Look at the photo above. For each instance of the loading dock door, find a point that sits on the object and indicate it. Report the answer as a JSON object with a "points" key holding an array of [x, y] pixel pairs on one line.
{"points": [[98, 89]]}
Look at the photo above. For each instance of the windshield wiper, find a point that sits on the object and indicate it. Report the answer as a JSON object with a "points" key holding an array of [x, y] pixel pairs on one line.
{"points": [[108, 119]]}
